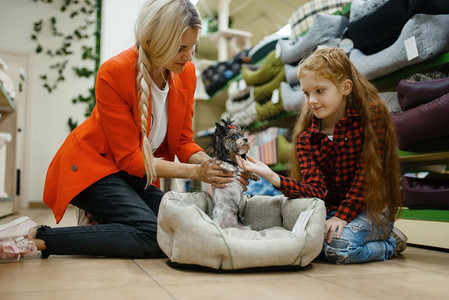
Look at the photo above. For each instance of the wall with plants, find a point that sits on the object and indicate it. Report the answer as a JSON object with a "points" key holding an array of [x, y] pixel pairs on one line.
{"points": [[85, 19]]}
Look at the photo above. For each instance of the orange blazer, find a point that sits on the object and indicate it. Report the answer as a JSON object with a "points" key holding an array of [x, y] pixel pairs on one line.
{"points": [[110, 139]]}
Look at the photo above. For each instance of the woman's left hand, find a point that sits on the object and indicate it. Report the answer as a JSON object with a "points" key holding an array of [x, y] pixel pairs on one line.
{"points": [[333, 225]]}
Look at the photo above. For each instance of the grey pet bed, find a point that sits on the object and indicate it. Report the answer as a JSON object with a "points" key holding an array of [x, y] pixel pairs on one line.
{"points": [[187, 235]]}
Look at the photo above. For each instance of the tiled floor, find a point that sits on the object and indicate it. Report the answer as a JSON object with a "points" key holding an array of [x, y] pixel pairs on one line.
{"points": [[417, 274]]}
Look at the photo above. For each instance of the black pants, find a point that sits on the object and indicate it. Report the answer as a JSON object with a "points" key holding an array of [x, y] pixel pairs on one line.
{"points": [[127, 214]]}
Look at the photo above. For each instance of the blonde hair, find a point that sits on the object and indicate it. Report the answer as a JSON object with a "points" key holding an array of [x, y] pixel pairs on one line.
{"points": [[382, 180], [159, 29]]}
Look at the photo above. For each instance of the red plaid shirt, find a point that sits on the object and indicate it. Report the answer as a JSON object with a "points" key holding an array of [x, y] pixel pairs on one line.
{"points": [[333, 170]]}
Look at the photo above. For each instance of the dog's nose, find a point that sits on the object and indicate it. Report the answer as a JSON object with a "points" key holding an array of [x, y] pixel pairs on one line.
{"points": [[245, 140]]}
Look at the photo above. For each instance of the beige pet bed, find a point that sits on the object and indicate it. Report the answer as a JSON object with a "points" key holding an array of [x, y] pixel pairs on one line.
{"points": [[187, 234]]}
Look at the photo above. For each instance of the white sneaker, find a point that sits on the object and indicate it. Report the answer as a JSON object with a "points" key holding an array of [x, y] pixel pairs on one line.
{"points": [[16, 228]]}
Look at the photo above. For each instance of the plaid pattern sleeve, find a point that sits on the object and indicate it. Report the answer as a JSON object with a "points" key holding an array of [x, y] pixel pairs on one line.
{"points": [[312, 184]]}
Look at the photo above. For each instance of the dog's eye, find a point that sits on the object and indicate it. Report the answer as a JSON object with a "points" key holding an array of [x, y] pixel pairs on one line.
{"points": [[234, 136]]}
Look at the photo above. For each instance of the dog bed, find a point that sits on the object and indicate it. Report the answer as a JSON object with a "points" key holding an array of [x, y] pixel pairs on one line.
{"points": [[431, 192], [425, 122], [412, 94], [187, 235]]}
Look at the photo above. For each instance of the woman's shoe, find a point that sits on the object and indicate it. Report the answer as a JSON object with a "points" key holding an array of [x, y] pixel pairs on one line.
{"points": [[18, 227]]}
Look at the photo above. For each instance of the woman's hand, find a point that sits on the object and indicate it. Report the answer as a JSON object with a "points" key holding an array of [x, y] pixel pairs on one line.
{"points": [[333, 225], [211, 172], [243, 178]]}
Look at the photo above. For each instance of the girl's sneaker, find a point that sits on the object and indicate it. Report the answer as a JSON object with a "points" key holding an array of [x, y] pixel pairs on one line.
{"points": [[16, 228], [401, 240]]}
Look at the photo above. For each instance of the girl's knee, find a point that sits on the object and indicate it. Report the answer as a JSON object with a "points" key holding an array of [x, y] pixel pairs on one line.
{"points": [[337, 251]]}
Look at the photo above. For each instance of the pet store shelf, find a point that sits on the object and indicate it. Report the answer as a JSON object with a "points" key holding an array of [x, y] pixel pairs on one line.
{"points": [[385, 83], [390, 81], [428, 158], [440, 215], [6, 103]]}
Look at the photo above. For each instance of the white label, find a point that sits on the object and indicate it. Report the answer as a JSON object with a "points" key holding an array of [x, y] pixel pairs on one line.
{"points": [[275, 96], [302, 221], [411, 48], [242, 85], [278, 50]]}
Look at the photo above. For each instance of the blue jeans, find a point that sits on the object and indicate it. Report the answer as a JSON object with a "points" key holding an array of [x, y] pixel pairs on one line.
{"points": [[127, 217], [359, 243]]}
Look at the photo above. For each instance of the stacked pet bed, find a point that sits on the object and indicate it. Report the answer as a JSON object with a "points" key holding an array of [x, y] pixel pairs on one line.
{"points": [[217, 76], [431, 192], [188, 236], [376, 24], [430, 34], [425, 113], [302, 19]]}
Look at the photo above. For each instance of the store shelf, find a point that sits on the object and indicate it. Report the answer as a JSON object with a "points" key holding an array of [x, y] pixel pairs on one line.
{"points": [[389, 82], [6, 103], [428, 158], [440, 215], [424, 232]]}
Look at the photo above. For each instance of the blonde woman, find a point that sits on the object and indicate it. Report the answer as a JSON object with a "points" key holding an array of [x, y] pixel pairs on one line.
{"points": [[109, 166]]}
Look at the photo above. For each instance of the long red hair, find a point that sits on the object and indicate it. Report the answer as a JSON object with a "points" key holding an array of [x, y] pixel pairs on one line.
{"points": [[382, 170]]}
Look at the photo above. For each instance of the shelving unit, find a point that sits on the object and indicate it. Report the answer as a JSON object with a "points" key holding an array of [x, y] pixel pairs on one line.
{"points": [[8, 124], [6, 104]]}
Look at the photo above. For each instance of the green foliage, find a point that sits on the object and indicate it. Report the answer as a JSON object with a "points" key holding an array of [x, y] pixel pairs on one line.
{"points": [[88, 13]]}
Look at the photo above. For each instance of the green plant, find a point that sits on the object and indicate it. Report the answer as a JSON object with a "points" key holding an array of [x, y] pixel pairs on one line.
{"points": [[86, 14]]}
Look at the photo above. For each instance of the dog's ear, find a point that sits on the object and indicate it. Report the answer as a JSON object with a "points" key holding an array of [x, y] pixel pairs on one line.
{"points": [[219, 130]]}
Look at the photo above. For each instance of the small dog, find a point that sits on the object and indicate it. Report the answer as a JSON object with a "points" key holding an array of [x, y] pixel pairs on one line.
{"points": [[229, 142]]}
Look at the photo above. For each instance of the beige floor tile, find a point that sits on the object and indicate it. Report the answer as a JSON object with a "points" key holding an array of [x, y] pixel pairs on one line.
{"points": [[424, 259], [417, 274], [131, 293], [299, 287], [406, 285], [166, 275], [59, 273], [322, 268]]}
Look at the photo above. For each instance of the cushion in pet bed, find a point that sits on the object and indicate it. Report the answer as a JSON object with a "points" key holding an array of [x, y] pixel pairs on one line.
{"points": [[430, 192], [187, 234], [425, 122], [414, 93]]}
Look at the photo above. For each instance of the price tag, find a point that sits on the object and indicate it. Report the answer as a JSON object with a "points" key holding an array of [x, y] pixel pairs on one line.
{"points": [[302, 221], [278, 50], [411, 48], [275, 96]]}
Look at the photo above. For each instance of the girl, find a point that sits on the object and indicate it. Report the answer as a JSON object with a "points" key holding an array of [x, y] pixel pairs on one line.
{"points": [[107, 166], [346, 154]]}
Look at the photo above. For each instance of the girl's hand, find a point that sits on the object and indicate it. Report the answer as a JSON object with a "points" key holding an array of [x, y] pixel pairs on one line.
{"points": [[333, 225], [253, 165], [211, 172]]}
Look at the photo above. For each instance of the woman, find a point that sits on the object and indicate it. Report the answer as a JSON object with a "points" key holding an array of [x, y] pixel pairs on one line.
{"points": [[109, 165]]}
